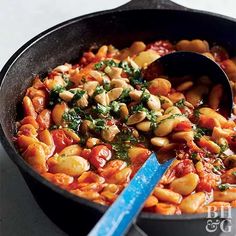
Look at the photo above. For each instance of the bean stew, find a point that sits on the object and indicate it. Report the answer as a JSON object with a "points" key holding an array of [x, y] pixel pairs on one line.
{"points": [[88, 127]]}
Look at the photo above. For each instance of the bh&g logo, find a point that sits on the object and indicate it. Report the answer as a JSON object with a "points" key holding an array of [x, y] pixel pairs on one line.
{"points": [[219, 219]]}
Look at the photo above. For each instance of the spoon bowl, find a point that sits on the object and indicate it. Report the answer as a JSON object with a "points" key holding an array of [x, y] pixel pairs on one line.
{"points": [[181, 64]]}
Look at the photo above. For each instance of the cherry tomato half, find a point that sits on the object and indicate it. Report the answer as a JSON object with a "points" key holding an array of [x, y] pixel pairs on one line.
{"points": [[162, 47], [183, 126], [204, 186], [99, 155], [184, 167], [60, 139], [85, 153]]}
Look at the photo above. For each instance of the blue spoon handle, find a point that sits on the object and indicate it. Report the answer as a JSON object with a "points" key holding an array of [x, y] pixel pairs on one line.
{"points": [[118, 218]]}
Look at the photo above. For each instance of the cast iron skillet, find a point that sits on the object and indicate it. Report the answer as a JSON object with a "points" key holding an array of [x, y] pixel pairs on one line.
{"points": [[138, 20]]}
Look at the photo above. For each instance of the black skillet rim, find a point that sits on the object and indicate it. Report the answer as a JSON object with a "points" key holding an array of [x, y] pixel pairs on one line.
{"points": [[23, 166]]}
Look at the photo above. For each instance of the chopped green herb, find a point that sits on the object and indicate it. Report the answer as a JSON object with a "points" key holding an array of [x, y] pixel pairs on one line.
{"points": [[110, 63], [98, 90], [100, 109], [223, 147], [145, 96], [122, 144], [124, 136], [218, 166], [58, 89], [223, 187], [216, 169], [151, 116], [69, 84], [80, 112], [199, 132], [101, 64], [234, 173], [54, 127], [193, 155], [197, 113], [88, 117], [124, 97], [72, 119], [180, 103], [121, 151], [136, 79], [54, 96], [65, 77], [98, 65], [163, 101], [107, 86], [139, 107], [126, 68], [115, 106], [72, 91], [134, 74], [78, 94], [170, 117], [98, 125]]}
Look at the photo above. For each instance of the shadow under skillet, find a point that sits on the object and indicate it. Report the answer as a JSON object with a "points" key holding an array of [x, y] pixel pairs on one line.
{"points": [[19, 213]]}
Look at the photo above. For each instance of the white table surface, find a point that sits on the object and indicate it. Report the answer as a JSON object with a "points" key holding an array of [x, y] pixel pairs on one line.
{"points": [[20, 20]]}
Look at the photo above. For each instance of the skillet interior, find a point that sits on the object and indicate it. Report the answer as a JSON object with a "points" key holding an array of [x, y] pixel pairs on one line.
{"points": [[64, 43]]}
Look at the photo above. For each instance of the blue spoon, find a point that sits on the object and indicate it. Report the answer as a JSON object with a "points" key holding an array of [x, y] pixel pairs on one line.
{"points": [[121, 214]]}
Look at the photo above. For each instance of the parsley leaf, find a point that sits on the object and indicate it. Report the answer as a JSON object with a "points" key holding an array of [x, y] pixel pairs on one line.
{"points": [[145, 96], [98, 90], [69, 84], [72, 119], [121, 151], [98, 65], [151, 116], [123, 142], [54, 96], [139, 107], [80, 112], [169, 117], [223, 187], [111, 63], [134, 81], [107, 86], [100, 109], [126, 68], [193, 155], [115, 106], [197, 113], [199, 132], [180, 103], [217, 168], [124, 97], [52, 127], [98, 125], [102, 64], [223, 147], [78, 94]]}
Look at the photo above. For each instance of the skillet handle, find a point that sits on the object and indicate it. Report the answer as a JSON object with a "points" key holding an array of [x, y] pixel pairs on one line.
{"points": [[151, 4]]}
